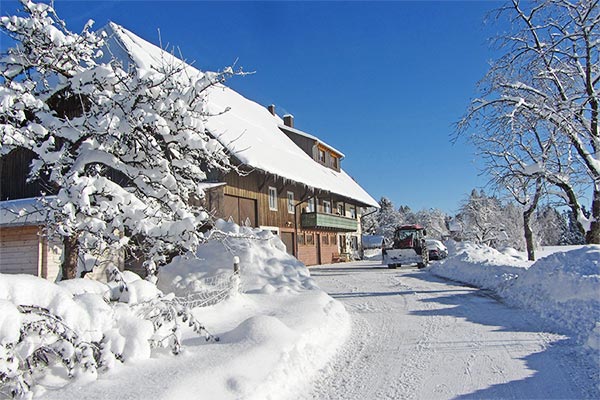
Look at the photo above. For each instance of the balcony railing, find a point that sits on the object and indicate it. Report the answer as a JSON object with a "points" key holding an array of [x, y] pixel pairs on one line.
{"points": [[315, 220]]}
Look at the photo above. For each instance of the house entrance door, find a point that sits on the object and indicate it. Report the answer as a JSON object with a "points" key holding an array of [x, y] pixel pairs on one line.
{"points": [[288, 239]]}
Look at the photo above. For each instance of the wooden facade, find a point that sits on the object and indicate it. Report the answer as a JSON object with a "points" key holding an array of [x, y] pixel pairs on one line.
{"points": [[245, 199], [24, 250]]}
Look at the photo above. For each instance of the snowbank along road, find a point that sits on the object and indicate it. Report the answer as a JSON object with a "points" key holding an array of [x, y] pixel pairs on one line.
{"points": [[417, 336]]}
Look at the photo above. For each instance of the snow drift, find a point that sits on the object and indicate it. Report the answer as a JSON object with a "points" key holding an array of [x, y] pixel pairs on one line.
{"points": [[274, 335], [563, 287]]}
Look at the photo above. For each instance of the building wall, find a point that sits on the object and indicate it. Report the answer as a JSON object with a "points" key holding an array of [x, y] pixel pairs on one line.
{"points": [[24, 250], [255, 187]]}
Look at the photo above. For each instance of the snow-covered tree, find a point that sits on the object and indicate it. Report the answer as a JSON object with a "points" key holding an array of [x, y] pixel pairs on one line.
{"points": [[434, 221], [550, 226], [540, 100], [480, 217], [511, 228], [122, 150], [384, 221], [573, 235]]}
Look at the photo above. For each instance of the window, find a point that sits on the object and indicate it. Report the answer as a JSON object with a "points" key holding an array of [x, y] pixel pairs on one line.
{"points": [[311, 205], [301, 238], [290, 202], [353, 212], [340, 209], [310, 239], [325, 239], [334, 162], [322, 156], [334, 239], [326, 206], [272, 198]]}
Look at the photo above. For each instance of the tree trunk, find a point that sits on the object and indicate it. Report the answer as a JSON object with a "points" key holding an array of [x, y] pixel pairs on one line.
{"points": [[593, 235], [528, 234], [70, 257]]}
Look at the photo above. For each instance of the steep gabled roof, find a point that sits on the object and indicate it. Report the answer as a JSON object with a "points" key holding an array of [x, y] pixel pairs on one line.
{"points": [[248, 130]]}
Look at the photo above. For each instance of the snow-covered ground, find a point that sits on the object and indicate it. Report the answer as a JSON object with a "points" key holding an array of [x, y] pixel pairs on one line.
{"points": [[419, 336], [378, 333], [562, 286], [274, 335]]}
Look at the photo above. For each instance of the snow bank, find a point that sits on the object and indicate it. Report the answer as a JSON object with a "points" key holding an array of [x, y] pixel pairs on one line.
{"points": [[265, 266], [283, 328], [563, 287], [274, 335], [481, 266]]}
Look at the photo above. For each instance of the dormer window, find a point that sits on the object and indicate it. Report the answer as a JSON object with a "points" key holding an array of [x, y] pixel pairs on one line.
{"points": [[322, 156], [335, 163]]}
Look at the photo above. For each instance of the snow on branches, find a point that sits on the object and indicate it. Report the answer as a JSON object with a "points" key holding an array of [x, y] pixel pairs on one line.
{"points": [[122, 150], [83, 327], [539, 105]]}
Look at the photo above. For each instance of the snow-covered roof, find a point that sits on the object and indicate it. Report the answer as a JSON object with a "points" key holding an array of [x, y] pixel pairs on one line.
{"points": [[248, 130], [22, 212], [309, 136]]}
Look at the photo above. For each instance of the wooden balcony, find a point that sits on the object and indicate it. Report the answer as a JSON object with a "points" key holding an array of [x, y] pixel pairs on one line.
{"points": [[333, 222]]}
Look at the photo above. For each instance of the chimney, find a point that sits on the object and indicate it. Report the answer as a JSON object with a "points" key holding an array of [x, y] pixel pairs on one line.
{"points": [[288, 120], [271, 109]]}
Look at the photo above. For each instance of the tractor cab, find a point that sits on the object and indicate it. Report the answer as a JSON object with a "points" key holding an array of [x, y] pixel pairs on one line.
{"points": [[408, 247]]}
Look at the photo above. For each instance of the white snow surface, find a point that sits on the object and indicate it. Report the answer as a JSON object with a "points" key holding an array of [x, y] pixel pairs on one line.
{"points": [[274, 335], [247, 129], [563, 286]]}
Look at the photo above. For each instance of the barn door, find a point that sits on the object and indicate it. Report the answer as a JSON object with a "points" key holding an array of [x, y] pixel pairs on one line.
{"points": [[242, 210]]}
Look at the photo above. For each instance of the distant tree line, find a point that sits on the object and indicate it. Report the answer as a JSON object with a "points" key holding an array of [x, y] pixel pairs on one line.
{"points": [[482, 219]]}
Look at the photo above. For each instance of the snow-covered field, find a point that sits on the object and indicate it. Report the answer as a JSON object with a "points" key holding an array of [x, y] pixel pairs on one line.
{"points": [[278, 332]]}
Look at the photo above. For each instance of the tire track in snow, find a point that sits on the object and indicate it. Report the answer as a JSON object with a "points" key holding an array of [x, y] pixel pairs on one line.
{"points": [[418, 336]]}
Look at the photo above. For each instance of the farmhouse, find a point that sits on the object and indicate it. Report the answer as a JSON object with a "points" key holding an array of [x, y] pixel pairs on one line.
{"points": [[292, 183]]}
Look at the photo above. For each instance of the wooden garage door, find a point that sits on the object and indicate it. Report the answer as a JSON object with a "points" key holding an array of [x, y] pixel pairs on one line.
{"points": [[242, 210], [19, 250]]}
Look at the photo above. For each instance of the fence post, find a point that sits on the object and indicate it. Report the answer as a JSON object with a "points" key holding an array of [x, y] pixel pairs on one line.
{"points": [[236, 265]]}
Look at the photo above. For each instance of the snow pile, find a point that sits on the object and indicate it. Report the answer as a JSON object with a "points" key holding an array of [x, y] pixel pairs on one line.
{"points": [[274, 336], [265, 266], [481, 266], [563, 287]]}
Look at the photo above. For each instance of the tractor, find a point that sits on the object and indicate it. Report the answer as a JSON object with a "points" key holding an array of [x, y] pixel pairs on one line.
{"points": [[408, 247]]}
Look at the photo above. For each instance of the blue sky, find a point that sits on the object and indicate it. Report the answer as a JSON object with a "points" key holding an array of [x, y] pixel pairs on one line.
{"points": [[384, 82]]}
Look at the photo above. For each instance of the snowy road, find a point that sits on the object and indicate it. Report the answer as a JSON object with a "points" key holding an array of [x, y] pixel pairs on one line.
{"points": [[416, 336]]}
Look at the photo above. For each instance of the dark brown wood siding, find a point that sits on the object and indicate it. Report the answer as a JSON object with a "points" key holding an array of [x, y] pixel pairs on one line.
{"points": [[306, 144], [14, 169]]}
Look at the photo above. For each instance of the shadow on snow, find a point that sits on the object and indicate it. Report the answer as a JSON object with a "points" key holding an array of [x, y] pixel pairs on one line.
{"points": [[557, 371]]}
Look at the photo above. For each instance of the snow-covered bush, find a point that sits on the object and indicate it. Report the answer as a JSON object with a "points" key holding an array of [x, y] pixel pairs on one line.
{"points": [[72, 330]]}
